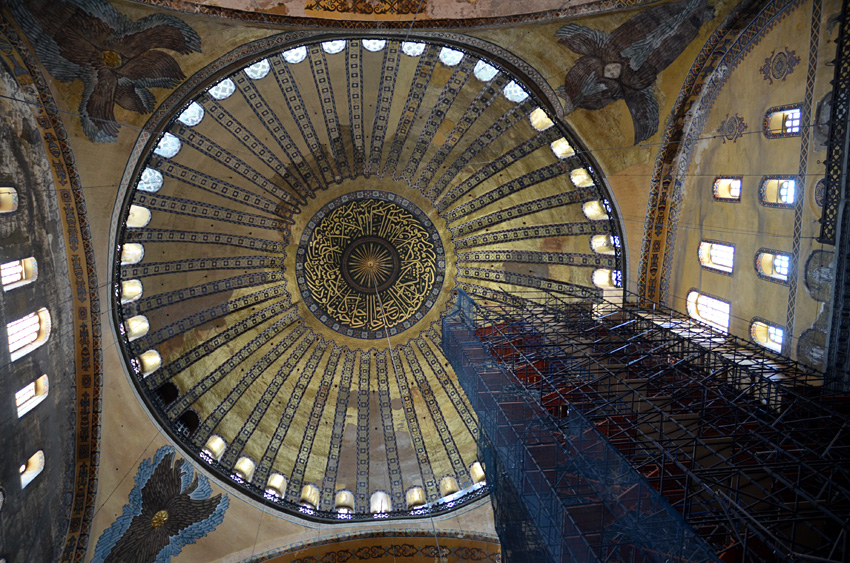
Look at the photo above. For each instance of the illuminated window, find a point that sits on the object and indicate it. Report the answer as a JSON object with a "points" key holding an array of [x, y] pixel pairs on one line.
{"points": [[28, 333], [31, 395], [514, 92], [562, 148], [778, 191], [773, 265], [485, 72], [727, 189], [168, 146], [138, 217], [8, 200], [214, 448], [131, 290], [136, 327], [476, 471], [768, 335], [605, 244], [18, 273], [415, 497], [540, 121], [310, 496], [243, 471], [258, 70], [149, 362], [709, 310], [32, 468], [604, 278], [275, 486], [380, 503], [374, 45], [596, 210], [448, 486], [191, 116], [450, 57], [412, 49], [782, 121], [344, 502], [295, 56], [150, 180], [716, 256], [132, 253], [333, 47], [223, 89], [581, 178]]}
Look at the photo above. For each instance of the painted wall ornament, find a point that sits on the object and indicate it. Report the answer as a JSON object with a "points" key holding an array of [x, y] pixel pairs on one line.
{"points": [[732, 128], [779, 65], [169, 507], [117, 59], [624, 64]]}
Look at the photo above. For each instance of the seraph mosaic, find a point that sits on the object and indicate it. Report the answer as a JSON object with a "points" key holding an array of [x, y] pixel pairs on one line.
{"points": [[169, 507], [624, 64], [118, 60]]}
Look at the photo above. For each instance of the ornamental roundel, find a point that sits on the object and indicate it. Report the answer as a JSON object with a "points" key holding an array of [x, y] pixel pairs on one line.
{"points": [[370, 264]]}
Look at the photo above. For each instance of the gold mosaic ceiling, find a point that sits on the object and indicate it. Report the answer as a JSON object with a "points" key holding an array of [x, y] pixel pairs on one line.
{"points": [[321, 205]]}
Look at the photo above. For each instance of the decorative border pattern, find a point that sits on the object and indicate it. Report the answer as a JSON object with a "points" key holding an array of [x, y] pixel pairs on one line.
{"points": [[88, 368]]}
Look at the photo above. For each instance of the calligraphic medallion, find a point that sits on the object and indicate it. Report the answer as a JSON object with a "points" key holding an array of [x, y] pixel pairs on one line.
{"points": [[370, 264]]}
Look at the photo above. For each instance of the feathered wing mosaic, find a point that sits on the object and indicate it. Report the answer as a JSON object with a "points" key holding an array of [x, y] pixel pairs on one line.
{"points": [[170, 506], [624, 64], [118, 60]]}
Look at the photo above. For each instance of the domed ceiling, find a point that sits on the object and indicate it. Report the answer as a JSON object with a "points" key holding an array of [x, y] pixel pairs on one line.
{"points": [[292, 237]]}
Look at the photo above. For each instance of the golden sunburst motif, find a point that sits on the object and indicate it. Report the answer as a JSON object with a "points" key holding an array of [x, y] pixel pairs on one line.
{"points": [[159, 519], [372, 264]]}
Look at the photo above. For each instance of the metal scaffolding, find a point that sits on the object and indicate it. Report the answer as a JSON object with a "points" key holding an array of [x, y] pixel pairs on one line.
{"points": [[741, 442]]}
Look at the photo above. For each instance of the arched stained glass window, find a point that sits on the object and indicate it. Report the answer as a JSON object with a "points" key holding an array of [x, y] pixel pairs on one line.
{"points": [[778, 191], [484, 71], [773, 265], [28, 333], [295, 56], [767, 334], [412, 49], [334, 47], [150, 180], [168, 146], [19, 272], [192, 115], [374, 45], [450, 57], [782, 121], [717, 256], [223, 89], [31, 395], [727, 189], [258, 70], [709, 310], [514, 92]]}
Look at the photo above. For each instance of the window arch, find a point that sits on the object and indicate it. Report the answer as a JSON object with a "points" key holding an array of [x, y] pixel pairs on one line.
{"points": [[412, 49], [191, 116], [131, 290], [476, 471], [415, 497], [380, 503], [540, 121], [150, 180], [716, 256], [448, 486], [484, 71], [773, 265], [562, 148], [581, 178], [243, 471], [8, 200], [33, 466], [597, 210], [138, 217], [136, 327], [709, 310], [214, 448], [258, 70], [310, 496], [333, 47], [374, 45], [604, 278], [782, 121], [450, 57], [605, 244], [295, 55], [727, 188], [767, 334], [167, 393], [132, 253], [224, 89], [188, 422], [31, 395], [344, 502], [275, 486], [778, 191], [28, 333], [514, 92], [149, 362], [19, 272], [168, 146]]}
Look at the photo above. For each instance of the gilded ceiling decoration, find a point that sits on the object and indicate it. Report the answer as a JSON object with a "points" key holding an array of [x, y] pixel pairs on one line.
{"points": [[294, 230]]}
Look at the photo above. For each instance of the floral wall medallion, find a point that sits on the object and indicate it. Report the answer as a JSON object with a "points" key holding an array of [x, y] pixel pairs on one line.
{"points": [[118, 60], [779, 65], [732, 128], [169, 507]]}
